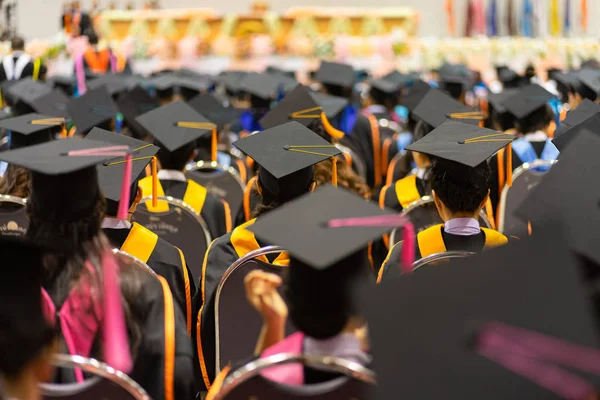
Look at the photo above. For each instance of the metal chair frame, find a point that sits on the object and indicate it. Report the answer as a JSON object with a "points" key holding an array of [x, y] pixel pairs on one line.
{"points": [[426, 200], [179, 203], [232, 268], [447, 255], [516, 174], [333, 364], [215, 166], [136, 261], [4, 198], [360, 166], [98, 369]]}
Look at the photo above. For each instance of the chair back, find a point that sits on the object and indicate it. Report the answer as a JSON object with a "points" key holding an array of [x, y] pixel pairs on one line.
{"points": [[525, 178], [13, 216], [423, 214], [234, 314], [445, 256], [222, 182], [247, 382], [358, 164], [131, 260], [181, 226], [106, 382]]}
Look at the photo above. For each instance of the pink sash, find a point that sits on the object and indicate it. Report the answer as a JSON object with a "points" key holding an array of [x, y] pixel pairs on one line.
{"points": [[79, 319], [290, 374]]}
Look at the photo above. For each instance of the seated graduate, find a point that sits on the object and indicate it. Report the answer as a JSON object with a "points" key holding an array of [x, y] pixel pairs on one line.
{"points": [[66, 208], [19, 65], [27, 341], [261, 90], [97, 61], [23, 133], [584, 85], [161, 256], [460, 183], [534, 122], [325, 276], [285, 173], [454, 80], [176, 127]]}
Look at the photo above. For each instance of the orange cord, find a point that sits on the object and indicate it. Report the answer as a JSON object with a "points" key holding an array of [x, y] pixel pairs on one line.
{"points": [[509, 170], [334, 133], [334, 175], [213, 146]]}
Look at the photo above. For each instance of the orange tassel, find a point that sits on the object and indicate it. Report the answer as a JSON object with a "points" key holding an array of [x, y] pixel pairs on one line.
{"points": [[334, 133], [529, 230], [509, 170], [490, 213], [154, 183], [63, 131], [213, 146], [334, 175]]}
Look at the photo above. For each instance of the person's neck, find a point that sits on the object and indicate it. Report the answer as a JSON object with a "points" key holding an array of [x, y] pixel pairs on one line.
{"points": [[449, 217], [24, 387]]}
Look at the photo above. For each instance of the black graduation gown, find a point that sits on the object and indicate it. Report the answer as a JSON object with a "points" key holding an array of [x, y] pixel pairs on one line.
{"points": [[222, 252], [164, 259], [516, 163], [215, 212], [162, 326], [487, 238], [26, 73]]}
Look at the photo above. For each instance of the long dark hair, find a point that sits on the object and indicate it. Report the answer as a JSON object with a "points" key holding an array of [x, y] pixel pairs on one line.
{"points": [[15, 182]]}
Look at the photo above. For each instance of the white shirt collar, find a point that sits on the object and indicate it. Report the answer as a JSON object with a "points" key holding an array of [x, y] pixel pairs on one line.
{"points": [[114, 223], [421, 173], [462, 226], [539, 136], [171, 175]]}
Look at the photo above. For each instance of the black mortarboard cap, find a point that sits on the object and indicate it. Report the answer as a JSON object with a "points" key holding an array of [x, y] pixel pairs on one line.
{"points": [[436, 107], [463, 143], [96, 107], [496, 100], [336, 74], [591, 124], [209, 106], [25, 331], [454, 73], [552, 199], [231, 80], [321, 246], [586, 109], [286, 148], [135, 103], [331, 105], [163, 123], [440, 344], [115, 84], [53, 103], [111, 171], [387, 87], [278, 71], [28, 90], [263, 86], [191, 86], [298, 105], [414, 93], [529, 99], [591, 79], [398, 78], [66, 83], [30, 129]]}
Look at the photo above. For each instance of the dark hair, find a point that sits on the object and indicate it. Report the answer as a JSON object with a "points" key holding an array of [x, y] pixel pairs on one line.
{"points": [[17, 43], [579, 88], [321, 301], [15, 182], [537, 120], [389, 101], [338, 91], [459, 187], [422, 129], [92, 38], [176, 159], [454, 89]]}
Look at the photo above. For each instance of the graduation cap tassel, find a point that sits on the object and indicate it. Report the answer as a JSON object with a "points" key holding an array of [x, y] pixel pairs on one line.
{"points": [[214, 145], [334, 133], [114, 333], [125, 189], [408, 248], [334, 172], [80, 74], [154, 183], [509, 165], [118, 122]]}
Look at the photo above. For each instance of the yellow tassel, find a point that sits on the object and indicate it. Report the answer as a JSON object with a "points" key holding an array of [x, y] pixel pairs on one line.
{"points": [[334, 133], [334, 175], [154, 183]]}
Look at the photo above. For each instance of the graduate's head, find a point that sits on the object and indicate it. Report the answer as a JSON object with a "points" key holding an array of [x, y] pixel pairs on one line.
{"points": [[275, 191], [17, 43], [538, 120], [323, 302], [26, 339], [336, 79], [422, 129], [336, 90], [15, 182], [385, 93], [92, 38], [459, 190], [177, 159]]}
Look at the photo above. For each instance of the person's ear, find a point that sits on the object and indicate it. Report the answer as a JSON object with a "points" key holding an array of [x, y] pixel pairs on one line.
{"points": [[485, 200], [138, 196], [438, 203]]}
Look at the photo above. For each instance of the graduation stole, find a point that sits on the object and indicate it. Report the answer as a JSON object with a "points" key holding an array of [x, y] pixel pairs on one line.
{"points": [[538, 357], [290, 374], [98, 62]]}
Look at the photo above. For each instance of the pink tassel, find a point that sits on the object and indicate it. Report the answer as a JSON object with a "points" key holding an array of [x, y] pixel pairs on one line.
{"points": [[113, 62], [125, 189], [80, 74], [114, 333], [407, 258], [101, 151], [394, 220]]}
